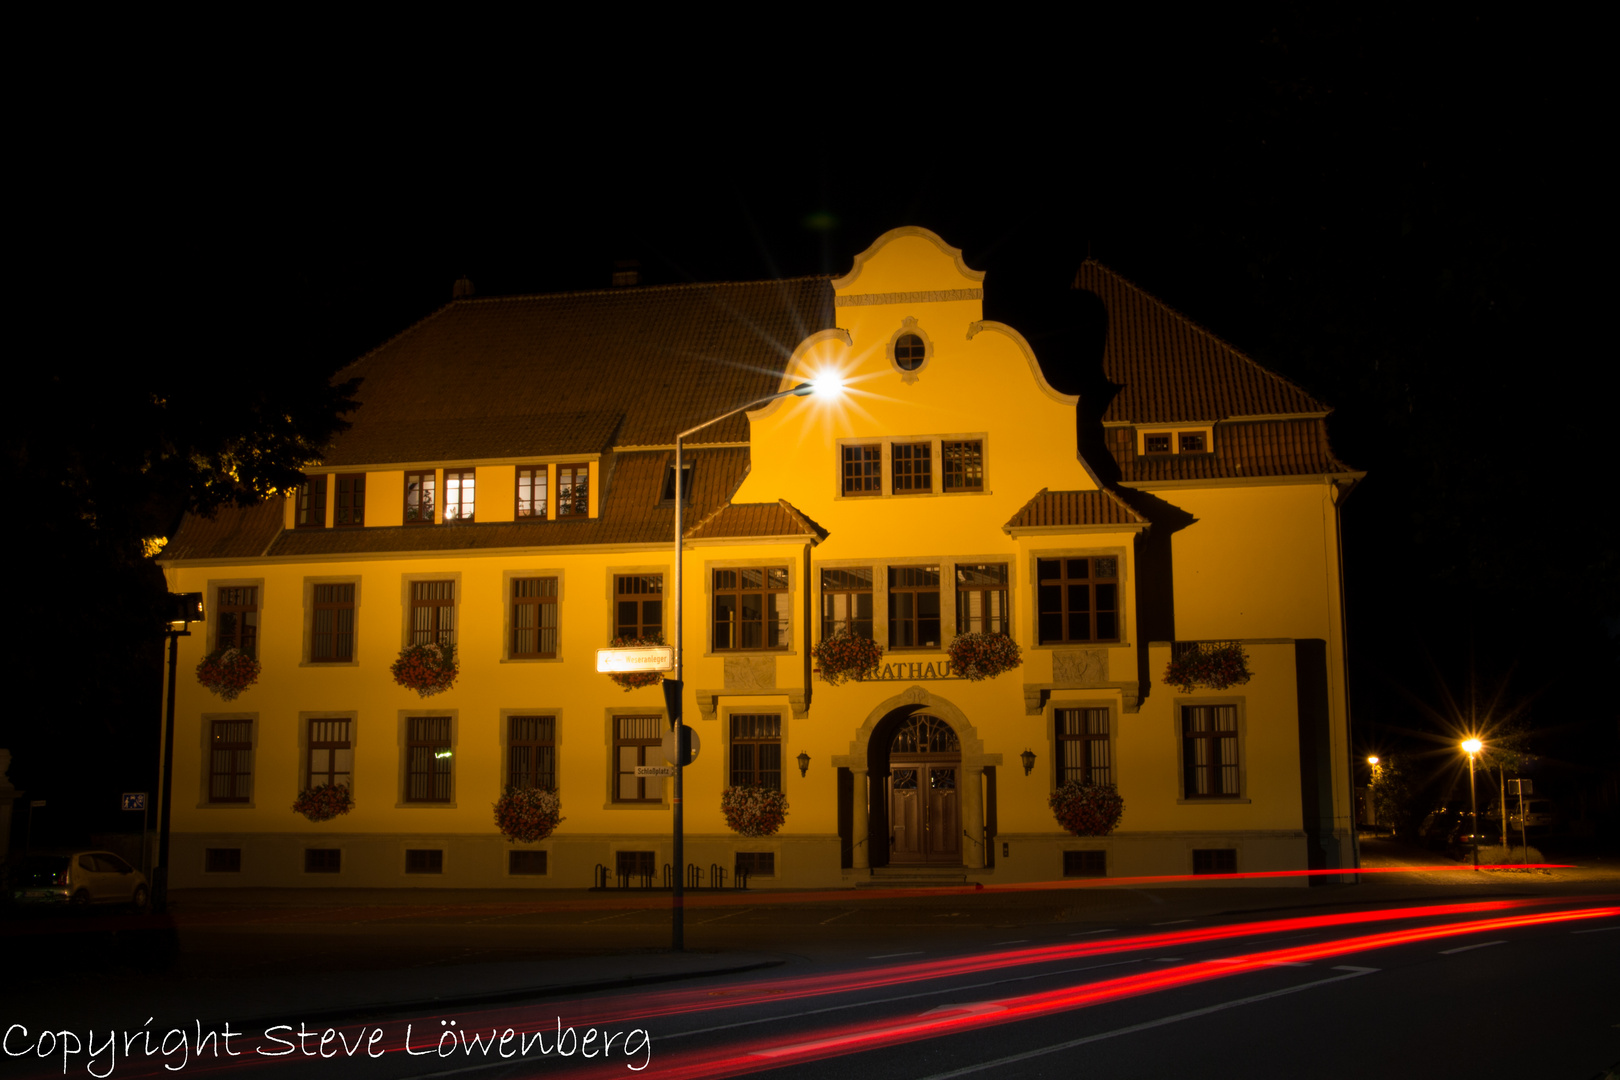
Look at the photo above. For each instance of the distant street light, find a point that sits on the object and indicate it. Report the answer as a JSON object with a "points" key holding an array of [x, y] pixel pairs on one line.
{"points": [[826, 386], [184, 609], [1473, 746]]}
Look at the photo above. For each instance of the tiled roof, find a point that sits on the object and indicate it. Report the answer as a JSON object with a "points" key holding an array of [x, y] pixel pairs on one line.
{"points": [[1070, 509], [1244, 449], [1172, 370], [576, 372], [632, 512], [232, 533], [756, 519]]}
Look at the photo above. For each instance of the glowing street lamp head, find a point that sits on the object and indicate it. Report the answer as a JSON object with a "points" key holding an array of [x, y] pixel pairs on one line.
{"points": [[1372, 759], [1472, 746], [828, 384]]}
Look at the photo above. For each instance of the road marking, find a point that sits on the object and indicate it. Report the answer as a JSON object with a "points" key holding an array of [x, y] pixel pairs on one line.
{"points": [[1014, 941], [1466, 948], [615, 915], [840, 915], [1167, 959], [1599, 930], [1353, 973], [1172, 922], [1263, 963], [892, 955], [727, 915], [1088, 933]]}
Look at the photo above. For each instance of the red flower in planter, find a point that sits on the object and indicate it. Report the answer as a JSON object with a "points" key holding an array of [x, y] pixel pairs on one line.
{"points": [[754, 811], [1087, 809], [427, 669], [846, 656], [324, 802], [634, 680], [1213, 666], [528, 815], [977, 656], [227, 672]]}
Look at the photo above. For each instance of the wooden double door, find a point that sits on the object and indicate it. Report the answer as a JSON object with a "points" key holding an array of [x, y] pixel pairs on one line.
{"points": [[925, 808]]}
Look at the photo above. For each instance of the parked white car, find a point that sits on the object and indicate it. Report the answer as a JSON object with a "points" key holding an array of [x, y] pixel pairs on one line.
{"points": [[79, 879], [1539, 814]]}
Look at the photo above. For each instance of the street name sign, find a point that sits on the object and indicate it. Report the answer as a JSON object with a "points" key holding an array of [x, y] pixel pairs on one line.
{"points": [[655, 770], [640, 658]]}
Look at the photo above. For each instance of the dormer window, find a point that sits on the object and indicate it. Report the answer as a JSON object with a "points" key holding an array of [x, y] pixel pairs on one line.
{"points": [[1195, 440], [1192, 442], [686, 483], [1156, 444]]}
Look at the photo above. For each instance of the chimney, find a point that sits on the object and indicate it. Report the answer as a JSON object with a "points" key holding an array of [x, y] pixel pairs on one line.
{"points": [[626, 272], [462, 289]]}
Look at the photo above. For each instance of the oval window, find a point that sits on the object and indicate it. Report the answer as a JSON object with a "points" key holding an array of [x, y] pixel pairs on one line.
{"points": [[908, 352]]}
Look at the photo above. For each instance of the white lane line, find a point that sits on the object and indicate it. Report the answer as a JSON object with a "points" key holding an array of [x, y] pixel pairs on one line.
{"points": [[1014, 941], [891, 1000], [840, 915], [1353, 973], [1467, 948], [615, 915], [1263, 963], [1167, 959], [1599, 930], [892, 955], [717, 918], [1172, 922], [1088, 933]]}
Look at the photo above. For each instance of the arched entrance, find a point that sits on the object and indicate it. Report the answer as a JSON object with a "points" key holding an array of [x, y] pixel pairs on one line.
{"points": [[923, 798]]}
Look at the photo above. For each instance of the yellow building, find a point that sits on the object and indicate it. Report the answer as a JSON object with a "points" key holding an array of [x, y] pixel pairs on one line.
{"points": [[508, 487]]}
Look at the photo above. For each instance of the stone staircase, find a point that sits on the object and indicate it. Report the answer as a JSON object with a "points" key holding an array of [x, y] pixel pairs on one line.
{"points": [[912, 877]]}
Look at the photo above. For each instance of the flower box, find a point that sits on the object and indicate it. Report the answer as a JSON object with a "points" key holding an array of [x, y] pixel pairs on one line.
{"points": [[527, 815], [847, 656], [1087, 809], [427, 669], [1215, 667], [227, 672], [635, 680], [323, 802], [976, 656], [754, 811]]}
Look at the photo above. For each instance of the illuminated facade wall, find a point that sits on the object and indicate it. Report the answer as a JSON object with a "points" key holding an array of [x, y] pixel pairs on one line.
{"points": [[949, 463]]}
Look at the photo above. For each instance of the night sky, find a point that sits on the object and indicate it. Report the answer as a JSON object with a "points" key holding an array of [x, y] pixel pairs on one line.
{"points": [[1408, 220]]}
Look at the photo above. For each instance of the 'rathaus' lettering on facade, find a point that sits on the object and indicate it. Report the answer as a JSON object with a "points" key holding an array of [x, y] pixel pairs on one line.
{"points": [[913, 610]]}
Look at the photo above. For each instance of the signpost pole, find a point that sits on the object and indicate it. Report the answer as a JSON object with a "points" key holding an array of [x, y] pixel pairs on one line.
{"points": [[677, 928]]}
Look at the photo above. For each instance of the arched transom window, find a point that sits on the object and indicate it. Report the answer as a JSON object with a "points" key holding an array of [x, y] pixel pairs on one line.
{"points": [[924, 734]]}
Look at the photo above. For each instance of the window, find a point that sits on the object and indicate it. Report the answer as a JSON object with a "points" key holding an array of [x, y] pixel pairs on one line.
{"points": [[981, 599], [424, 860], [534, 618], [458, 494], [331, 754], [751, 608], [686, 483], [433, 613], [914, 607], [531, 752], [1085, 864], [964, 465], [531, 492], [1195, 441], [427, 759], [419, 498], [1209, 751], [1156, 444], [525, 862], [237, 619], [1215, 860], [1083, 755], [638, 606], [331, 639], [323, 860], [846, 602], [863, 470], [230, 761], [912, 465], [1192, 442], [573, 490], [1079, 599], [634, 864], [312, 503], [350, 507], [756, 750], [632, 737], [755, 864], [222, 860], [909, 352]]}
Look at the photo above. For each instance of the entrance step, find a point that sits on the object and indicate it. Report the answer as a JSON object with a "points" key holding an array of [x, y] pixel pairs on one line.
{"points": [[911, 877]]}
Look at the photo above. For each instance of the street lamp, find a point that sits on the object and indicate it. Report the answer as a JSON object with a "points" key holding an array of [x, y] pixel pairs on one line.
{"points": [[184, 609], [825, 386], [1472, 746]]}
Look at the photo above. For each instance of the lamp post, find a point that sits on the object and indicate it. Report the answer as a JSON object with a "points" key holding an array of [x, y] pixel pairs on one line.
{"points": [[184, 609], [1472, 747], [674, 695]]}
